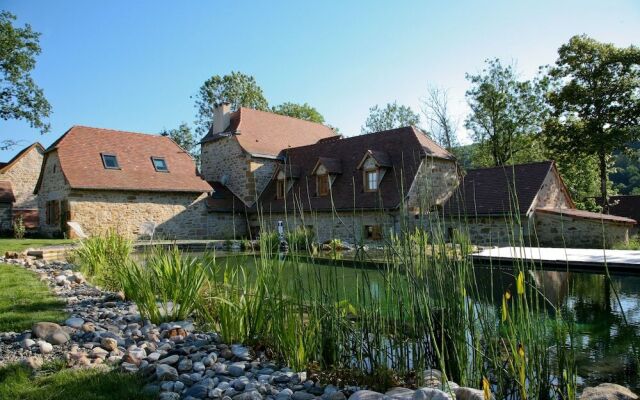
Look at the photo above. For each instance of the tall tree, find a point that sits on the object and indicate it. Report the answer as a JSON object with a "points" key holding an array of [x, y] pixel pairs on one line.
{"points": [[504, 110], [20, 97], [435, 108], [300, 111], [595, 100], [391, 116], [183, 137], [236, 88]]}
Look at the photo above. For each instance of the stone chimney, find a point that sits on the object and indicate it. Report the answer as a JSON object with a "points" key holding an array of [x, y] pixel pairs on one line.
{"points": [[221, 117]]}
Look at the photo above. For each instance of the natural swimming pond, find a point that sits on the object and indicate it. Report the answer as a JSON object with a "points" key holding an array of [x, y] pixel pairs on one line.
{"points": [[607, 326]]}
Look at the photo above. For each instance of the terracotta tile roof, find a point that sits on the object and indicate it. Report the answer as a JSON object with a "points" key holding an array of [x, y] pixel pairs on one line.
{"points": [[493, 191], [6, 192], [262, 133], [581, 214], [624, 206], [6, 166], [223, 200], [80, 149], [404, 151]]}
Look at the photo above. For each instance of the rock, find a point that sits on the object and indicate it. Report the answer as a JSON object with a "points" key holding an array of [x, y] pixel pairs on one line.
{"points": [[241, 352], [52, 333], [185, 365], [400, 393], [236, 369], [27, 344], [337, 396], [109, 344], [61, 280], [33, 362], [198, 366], [128, 367], [169, 360], [166, 373], [251, 395], [169, 396], [303, 396], [465, 393], [198, 391], [430, 394], [99, 352], [608, 391], [75, 323], [45, 348], [88, 327], [366, 395]]}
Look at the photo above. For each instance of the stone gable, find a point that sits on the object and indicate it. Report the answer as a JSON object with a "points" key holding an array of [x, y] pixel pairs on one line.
{"points": [[23, 175]]}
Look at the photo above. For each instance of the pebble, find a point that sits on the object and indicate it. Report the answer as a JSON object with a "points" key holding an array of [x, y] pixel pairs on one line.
{"points": [[45, 348]]}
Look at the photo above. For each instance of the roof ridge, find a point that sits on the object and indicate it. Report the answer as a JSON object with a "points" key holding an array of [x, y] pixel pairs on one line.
{"points": [[350, 138], [284, 116], [117, 130], [511, 166]]}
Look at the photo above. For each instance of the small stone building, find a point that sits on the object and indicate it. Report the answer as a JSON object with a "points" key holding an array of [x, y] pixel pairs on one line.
{"points": [[106, 179], [18, 179], [527, 204], [625, 206], [357, 188]]}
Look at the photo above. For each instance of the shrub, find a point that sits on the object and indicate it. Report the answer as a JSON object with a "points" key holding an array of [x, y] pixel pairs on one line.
{"points": [[167, 286], [300, 239], [18, 228], [101, 258]]}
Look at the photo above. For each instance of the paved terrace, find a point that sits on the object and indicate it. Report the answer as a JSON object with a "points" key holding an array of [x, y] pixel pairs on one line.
{"points": [[560, 258]]}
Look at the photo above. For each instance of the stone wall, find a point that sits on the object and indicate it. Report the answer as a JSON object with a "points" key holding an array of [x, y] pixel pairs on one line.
{"points": [[177, 215], [52, 187], [347, 226], [490, 231], [225, 161], [23, 176], [551, 193], [565, 231], [434, 183]]}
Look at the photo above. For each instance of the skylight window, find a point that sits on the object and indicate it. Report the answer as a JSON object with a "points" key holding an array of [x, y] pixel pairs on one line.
{"points": [[160, 164], [110, 161]]}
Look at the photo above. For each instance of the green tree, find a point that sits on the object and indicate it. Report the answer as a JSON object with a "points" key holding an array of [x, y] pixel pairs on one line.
{"points": [[20, 97], [442, 127], [391, 116], [300, 111], [505, 112], [236, 88], [595, 100], [184, 138]]}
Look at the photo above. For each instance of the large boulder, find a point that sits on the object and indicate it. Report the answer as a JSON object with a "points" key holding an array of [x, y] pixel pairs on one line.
{"points": [[430, 394], [366, 395], [52, 333], [608, 391], [400, 393], [465, 393]]}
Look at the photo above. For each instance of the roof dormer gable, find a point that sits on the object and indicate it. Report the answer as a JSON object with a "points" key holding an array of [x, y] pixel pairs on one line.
{"points": [[327, 166]]}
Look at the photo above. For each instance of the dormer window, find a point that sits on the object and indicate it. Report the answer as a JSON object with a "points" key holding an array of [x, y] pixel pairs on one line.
{"points": [[160, 164], [322, 184], [280, 188], [110, 161], [371, 177]]}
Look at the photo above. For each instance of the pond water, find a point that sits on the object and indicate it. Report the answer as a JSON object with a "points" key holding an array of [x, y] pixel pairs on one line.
{"points": [[608, 327]]}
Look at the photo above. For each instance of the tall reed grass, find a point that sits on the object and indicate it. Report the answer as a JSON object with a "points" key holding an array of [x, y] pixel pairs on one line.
{"points": [[102, 257]]}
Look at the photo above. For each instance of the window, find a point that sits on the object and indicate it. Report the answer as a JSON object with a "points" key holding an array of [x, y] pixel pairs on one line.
{"points": [[280, 188], [372, 232], [371, 180], [52, 212], [110, 161], [160, 164], [322, 183]]}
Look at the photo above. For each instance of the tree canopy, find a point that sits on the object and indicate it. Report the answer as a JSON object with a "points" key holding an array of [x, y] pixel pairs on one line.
{"points": [[300, 111], [505, 111], [391, 116], [20, 97], [236, 88], [595, 100], [184, 138], [442, 127]]}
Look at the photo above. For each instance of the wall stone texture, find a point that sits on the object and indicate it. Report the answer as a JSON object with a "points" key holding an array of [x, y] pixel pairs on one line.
{"points": [[435, 182], [224, 160], [52, 187], [551, 194], [564, 231], [23, 176], [6, 223]]}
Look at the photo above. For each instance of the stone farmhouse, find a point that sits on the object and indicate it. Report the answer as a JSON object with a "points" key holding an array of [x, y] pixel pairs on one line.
{"points": [[259, 168], [18, 178]]}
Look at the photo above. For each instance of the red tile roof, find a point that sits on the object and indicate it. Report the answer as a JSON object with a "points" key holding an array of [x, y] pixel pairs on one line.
{"points": [[403, 149], [262, 133], [80, 149], [581, 214], [6, 192]]}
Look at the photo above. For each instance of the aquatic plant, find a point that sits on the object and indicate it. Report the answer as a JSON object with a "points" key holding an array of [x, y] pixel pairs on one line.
{"points": [[101, 257]]}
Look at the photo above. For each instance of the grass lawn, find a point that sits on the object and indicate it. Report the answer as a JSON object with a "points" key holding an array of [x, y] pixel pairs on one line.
{"points": [[22, 244], [54, 382], [25, 300]]}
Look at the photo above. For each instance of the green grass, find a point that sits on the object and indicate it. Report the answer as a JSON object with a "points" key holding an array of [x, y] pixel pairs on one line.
{"points": [[25, 300], [54, 382], [23, 244]]}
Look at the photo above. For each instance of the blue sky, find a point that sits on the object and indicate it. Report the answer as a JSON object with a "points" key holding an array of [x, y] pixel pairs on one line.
{"points": [[135, 65]]}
